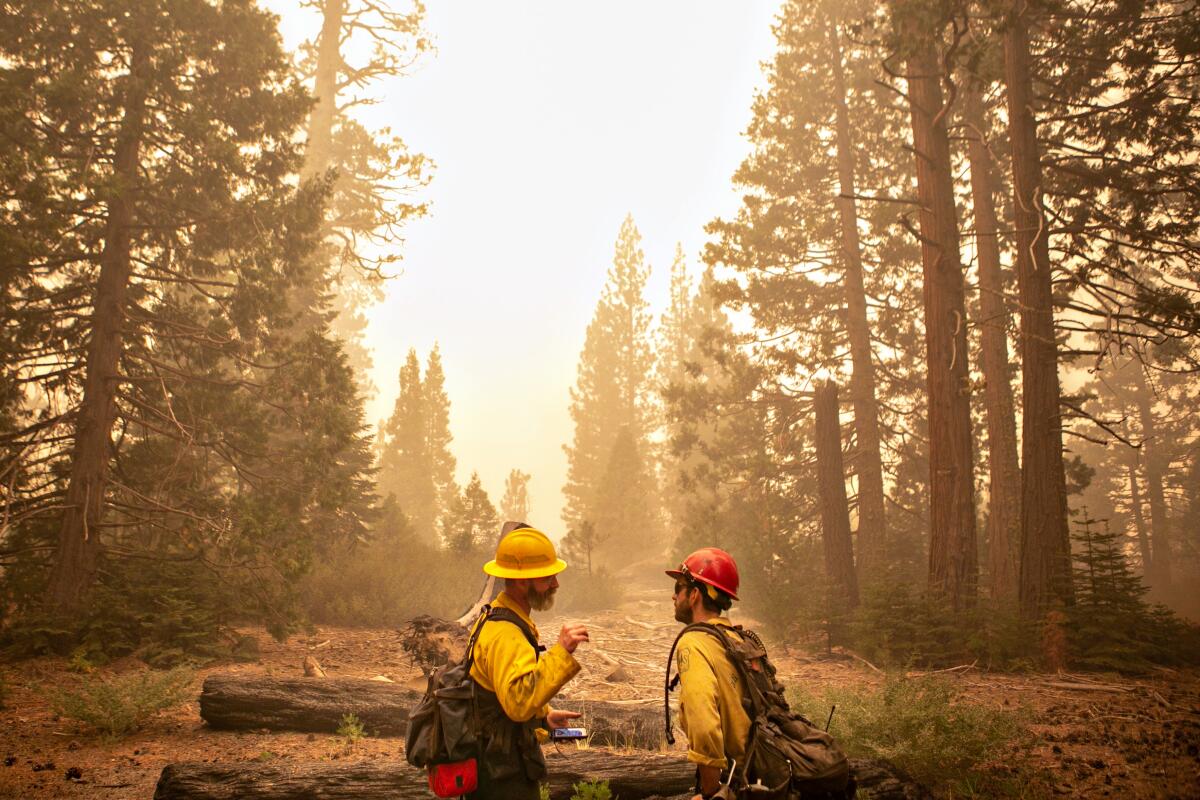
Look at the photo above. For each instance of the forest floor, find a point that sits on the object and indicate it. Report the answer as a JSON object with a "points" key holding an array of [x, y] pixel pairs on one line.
{"points": [[1097, 735]]}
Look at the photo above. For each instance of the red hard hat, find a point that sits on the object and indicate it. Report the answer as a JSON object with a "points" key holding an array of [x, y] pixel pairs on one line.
{"points": [[712, 566]]}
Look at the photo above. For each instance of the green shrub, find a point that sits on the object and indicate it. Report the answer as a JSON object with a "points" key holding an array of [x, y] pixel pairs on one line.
{"points": [[591, 790], [924, 727], [351, 729], [117, 705]]}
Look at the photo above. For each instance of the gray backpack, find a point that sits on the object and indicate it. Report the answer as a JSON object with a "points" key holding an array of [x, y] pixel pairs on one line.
{"points": [[786, 755]]}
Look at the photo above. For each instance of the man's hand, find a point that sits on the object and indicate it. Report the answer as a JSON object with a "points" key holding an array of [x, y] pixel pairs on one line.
{"points": [[559, 719], [571, 636]]}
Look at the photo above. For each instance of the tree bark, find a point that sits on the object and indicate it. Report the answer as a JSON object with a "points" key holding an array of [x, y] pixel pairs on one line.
{"points": [[872, 524], [232, 701], [629, 776], [319, 148], [831, 479], [1139, 520], [1045, 571], [953, 562], [1004, 501], [79, 543], [1160, 533]]}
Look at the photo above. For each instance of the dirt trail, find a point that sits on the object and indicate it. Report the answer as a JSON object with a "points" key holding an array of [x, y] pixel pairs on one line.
{"points": [[1136, 742]]}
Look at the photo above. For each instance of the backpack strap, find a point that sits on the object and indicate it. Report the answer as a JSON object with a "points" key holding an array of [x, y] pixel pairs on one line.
{"points": [[502, 614], [484, 615]]}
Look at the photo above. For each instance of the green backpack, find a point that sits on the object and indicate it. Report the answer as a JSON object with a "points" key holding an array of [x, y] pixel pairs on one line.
{"points": [[786, 755]]}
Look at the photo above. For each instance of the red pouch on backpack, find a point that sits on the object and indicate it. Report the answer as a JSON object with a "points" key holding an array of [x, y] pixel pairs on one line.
{"points": [[454, 779]]}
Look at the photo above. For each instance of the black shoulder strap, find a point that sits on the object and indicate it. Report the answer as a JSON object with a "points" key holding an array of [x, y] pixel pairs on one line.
{"points": [[507, 615]]}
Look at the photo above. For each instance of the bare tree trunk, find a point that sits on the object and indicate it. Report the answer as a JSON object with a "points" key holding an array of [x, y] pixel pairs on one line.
{"points": [[872, 524], [953, 562], [319, 149], [1139, 520], [1045, 573], [1004, 503], [79, 542], [831, 480], [1160, 533]]}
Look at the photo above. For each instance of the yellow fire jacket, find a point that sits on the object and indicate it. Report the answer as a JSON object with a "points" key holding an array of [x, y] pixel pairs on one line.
{"points": [[507, 665], [710, 700]]}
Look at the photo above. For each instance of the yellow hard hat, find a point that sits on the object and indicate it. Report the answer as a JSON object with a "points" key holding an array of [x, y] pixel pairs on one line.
{"points": [[525, 553]]}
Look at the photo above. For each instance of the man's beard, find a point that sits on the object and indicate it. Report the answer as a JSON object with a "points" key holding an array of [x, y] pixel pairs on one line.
{"points": [[683, 613], [541, 601]]}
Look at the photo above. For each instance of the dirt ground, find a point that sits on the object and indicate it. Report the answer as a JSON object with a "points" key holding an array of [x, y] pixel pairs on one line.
{"points": [[1099, 735]]}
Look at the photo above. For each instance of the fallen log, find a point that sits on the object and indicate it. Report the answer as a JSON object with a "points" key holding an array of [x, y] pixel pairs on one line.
{"points": [[630, 776], [231, 701]]}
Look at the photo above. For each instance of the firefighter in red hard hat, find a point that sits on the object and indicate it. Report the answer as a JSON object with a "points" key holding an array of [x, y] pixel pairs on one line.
{"points": [[710, 699]]}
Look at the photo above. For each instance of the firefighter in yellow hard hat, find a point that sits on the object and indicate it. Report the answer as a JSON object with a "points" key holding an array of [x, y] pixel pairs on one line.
{"points": [[514, 679]]}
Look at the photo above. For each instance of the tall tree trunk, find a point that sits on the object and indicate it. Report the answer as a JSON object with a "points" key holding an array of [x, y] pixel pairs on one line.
{"points": [[831, 480], [1160, 533], [1045, 573], [319, 149], [1139, 520], [953, 562], [79, 543], [1004, 502], [872, 525]]}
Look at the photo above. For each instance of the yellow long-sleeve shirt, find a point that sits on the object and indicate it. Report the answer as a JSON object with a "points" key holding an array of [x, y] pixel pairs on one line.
{"points": [[507, 665], [710, 699]]}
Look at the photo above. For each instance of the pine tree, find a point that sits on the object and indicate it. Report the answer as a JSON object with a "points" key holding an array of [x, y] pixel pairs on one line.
{"points": [[626, 516], [994, 319], [406, 467], [154, 244], [374, 173], [514, 506], [437, 436], [822, 263], [1110, 622], [581, 543], [611, 391], [953, 564], [471, 523]]}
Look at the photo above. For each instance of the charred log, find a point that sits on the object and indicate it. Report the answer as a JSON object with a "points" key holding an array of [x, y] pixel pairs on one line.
{"points": [[631, 776], [254, 702]]}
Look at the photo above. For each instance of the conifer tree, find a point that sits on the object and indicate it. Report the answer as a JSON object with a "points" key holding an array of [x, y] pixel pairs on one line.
{"points": [[1110, 620], [158, 250], [514, 506], [437, 435], [406, 468], [823, 265], [994, 319], [626, 516], [374, 174], [613, 383], [953, 565], [581, 543], [1105, 213], [471, 523]]}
